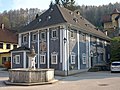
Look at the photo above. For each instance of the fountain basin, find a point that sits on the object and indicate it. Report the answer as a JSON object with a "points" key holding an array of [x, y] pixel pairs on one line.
{"points": [[31, 76]]}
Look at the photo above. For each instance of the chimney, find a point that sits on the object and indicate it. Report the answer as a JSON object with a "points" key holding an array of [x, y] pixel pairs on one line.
{"points": [[2, 26]]}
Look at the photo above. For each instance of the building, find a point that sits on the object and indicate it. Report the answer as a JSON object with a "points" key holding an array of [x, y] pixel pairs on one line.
{"points": [[63, 40], [112, 23], [8, 41]]}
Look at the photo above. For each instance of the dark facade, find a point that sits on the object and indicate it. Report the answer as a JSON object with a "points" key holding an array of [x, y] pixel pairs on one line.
{"points": [[64, 44]]}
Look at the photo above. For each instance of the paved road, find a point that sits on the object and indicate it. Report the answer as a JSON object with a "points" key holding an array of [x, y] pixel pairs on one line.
{"points": [[82, 81]]}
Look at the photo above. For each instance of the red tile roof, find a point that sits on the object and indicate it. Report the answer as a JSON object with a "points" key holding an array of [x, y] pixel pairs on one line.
{"points": [[106, 18], [116, 11], [8, 36]]}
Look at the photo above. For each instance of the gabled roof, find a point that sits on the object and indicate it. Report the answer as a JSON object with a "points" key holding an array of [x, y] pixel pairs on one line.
{"points": [[43, 20], [116, 11], [8, 36], [57, 15], [106, 18]]}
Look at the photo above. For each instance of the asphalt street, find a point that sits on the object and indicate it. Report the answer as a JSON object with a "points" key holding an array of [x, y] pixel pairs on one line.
{"points": [[82, 81]]}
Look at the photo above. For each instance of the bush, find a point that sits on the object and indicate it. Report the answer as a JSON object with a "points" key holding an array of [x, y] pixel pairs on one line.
{"points": [[115, 49]]}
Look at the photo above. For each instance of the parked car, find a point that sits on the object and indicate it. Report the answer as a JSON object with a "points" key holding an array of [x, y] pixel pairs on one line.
{"points": [[115, 66]]}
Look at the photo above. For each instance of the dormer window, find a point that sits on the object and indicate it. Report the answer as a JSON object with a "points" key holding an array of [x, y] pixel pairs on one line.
{"points": [[75, 19], [51, 9], [40, 20], [49, 17], [71, 13]]}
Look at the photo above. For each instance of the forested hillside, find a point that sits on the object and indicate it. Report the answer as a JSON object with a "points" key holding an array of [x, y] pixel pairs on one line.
{"points": [[14, 19], [94, 14]]}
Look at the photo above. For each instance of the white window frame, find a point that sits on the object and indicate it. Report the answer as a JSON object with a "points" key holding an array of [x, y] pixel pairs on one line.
{"points": [[17, 61], [44, 61], [33, 39], [73, 56], [84, 58], [83, 37], [56, 57], [56, 33], [41, 35], [24, 38], [72, 32], [98, 41], [105, 43], [13, 59]]}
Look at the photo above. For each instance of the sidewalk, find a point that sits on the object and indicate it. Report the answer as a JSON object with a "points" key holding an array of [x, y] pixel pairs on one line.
{"points": [[2, 69]]}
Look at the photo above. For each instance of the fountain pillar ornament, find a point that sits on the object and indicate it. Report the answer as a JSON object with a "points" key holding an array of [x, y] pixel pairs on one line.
{"points": [[31, 58]]}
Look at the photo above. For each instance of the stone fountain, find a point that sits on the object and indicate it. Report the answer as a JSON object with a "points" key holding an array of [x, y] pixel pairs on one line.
{"points": [[31, 75], [31, 58]]}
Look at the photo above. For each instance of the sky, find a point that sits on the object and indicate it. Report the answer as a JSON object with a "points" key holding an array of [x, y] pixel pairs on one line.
{"points": [[44, 4]]}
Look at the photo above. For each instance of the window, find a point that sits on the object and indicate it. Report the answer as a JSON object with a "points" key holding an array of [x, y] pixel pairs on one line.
{"points": [[1, 45], [34, 37], [84, 58], [4, 59], [36, 59], [72, 34], [54, 58], [40, 20], [17, 59], [43, 35], [49, 17], [14, 46], [54, 33], [98, 41], [42, 59], [105, 43], [13, 59], [7, 46], [73, 59], [24, 38], [83, 37], [9, 59]]}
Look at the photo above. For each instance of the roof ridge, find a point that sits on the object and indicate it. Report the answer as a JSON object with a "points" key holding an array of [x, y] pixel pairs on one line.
{"points": [[59, 8]]}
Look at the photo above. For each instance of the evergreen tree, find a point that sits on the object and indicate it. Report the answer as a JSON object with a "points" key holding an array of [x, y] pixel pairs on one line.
{"points": [[57, 1], [51, 4]]}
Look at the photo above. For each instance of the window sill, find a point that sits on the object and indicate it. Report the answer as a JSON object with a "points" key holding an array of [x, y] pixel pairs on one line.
{"points": [[55, 38]]}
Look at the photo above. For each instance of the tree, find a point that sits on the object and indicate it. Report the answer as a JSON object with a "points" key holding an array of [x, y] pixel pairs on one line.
{"points": [[57, 1], [51, 4], [115, 49], [69, 4]]}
